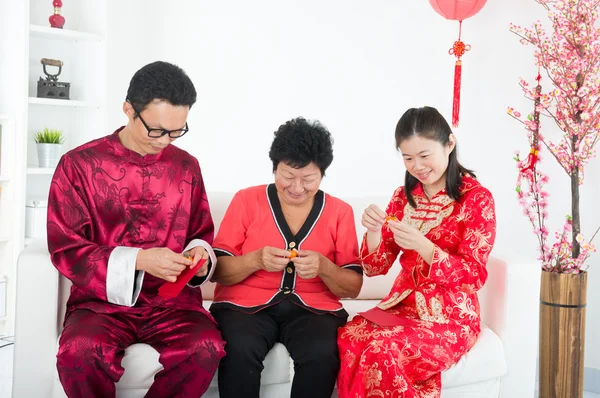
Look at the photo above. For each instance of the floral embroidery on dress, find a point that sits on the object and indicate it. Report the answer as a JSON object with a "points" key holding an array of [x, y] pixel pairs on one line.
{"points": [[466, 307], [435, 315], [436, 305], [372, 377], [395, 299]]}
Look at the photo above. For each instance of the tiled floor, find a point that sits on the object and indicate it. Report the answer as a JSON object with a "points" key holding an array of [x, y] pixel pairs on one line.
{"points": [[6, 364]]}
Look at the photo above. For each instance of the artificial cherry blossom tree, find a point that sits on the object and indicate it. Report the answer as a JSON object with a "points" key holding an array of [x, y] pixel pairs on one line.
{"points": [[570, 57]]}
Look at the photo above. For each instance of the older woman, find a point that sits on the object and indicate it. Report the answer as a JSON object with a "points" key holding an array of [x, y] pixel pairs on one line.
{"points": [[287, 253]]}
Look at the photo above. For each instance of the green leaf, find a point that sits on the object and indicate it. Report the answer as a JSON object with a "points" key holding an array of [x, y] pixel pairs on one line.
{"points": [[49, 136]]}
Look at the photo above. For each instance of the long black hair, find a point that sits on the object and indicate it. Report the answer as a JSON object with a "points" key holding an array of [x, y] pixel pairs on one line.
{"points": [[427, 122]]}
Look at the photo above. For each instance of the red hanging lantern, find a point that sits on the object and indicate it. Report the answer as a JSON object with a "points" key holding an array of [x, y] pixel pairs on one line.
{"points": [[457, 10]]}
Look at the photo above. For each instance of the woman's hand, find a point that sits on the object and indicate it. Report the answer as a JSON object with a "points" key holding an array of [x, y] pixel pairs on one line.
{"points": [[373, 218], [308, 264], [410, 238], [162, 263], [196, 254], [272, 259]]}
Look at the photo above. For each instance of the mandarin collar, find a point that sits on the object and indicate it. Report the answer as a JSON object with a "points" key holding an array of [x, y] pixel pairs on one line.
{"points": [[132, 156], [419, 191], [468, 182]]}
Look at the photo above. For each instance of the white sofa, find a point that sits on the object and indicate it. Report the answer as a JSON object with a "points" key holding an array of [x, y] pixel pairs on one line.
{"points": [[501, 364]]}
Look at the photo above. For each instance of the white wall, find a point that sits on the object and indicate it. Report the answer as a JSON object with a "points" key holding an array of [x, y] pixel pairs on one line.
{"points": [[356, 66]]}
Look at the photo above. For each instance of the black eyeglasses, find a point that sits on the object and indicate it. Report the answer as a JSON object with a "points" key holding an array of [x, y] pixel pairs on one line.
{"points": [[157, 133]]}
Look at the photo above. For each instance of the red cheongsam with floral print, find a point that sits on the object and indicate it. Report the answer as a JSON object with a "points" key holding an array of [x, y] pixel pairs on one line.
{"points": [[431, 316]]}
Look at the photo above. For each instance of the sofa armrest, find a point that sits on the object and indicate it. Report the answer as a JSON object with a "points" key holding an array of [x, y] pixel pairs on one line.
{"points": [[35, 322], [492, 298], [520, 334]]}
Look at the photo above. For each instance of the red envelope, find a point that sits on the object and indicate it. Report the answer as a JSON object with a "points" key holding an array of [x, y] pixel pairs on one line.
{"points": [[172, 289]]}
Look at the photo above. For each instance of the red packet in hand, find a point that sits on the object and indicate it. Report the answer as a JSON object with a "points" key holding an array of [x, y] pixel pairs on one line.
{"points": [[172, 289]]}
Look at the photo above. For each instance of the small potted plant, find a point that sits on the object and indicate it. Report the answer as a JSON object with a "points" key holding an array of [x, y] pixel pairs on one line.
{"points": [[49, 146]]}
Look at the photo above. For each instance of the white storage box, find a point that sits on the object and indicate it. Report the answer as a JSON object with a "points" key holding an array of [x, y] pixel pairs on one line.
{"points": [[35, 218]]}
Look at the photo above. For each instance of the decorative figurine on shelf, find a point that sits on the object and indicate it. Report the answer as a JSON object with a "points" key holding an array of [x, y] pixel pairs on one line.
{"points": [[50, 87], [57, 20]]}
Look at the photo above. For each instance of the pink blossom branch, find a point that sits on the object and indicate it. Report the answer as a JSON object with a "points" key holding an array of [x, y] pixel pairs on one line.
{"points": [[570, 57], [595, 233]]}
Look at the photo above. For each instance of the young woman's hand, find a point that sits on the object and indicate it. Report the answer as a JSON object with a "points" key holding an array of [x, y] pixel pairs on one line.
{"points": [[373, 218], [410, 238]]}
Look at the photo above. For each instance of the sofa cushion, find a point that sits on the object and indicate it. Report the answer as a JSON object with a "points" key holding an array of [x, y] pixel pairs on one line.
{"points": [[485, 361], [141, 365]]}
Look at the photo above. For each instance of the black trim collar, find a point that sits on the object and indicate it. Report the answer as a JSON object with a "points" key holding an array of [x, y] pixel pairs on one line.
{"points": [[288, 282]]}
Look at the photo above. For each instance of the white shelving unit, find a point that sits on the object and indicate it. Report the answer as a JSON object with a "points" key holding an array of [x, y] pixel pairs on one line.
{"points": [[81, 48], [61, 102], [26, 38], [63, 34], [11, 189], [40, 170], [14, 44]]}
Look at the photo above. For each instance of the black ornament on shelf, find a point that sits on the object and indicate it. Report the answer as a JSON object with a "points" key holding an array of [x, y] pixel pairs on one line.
{"points": [[50, 87]]}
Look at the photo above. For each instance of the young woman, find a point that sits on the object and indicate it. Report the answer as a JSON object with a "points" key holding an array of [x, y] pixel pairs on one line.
{"points": [[442, 223]]}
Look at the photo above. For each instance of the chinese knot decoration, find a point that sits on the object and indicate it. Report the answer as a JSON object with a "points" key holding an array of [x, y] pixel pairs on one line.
{"points": [[57, 20], [533, 156], [457, 10]]}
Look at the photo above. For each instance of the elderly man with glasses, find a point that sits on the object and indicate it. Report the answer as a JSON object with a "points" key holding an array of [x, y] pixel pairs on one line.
{"points": [[127, 213]]}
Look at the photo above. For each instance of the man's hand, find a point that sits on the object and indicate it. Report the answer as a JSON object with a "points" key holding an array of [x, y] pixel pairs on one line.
{"points": [[162, 263], [272, 259], [196, 254], [308, 264]]}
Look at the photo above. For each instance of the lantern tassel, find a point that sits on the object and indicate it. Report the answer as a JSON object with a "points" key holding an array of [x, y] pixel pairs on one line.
{"points": [[458, 50], [456, 96]]}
